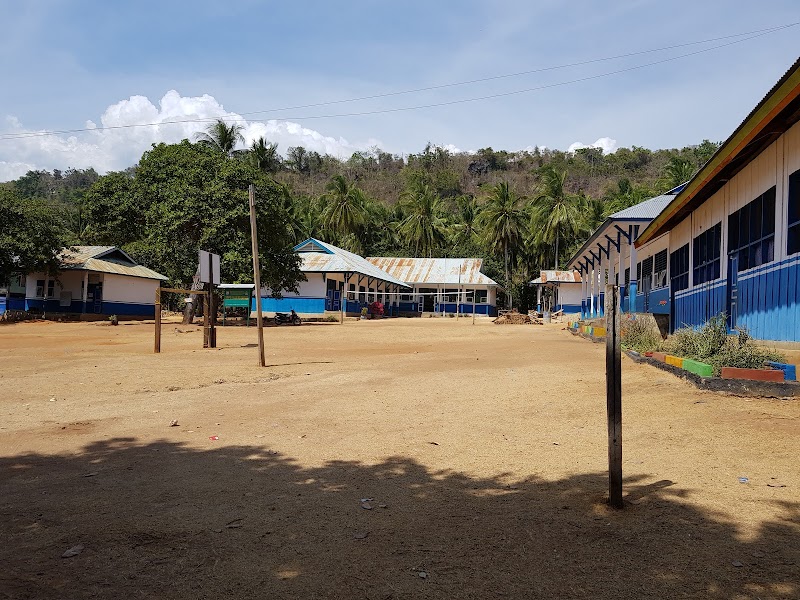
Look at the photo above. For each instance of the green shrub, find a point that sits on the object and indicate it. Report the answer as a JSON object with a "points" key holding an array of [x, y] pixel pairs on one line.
{"points": [[332, 319], [711, 344]]}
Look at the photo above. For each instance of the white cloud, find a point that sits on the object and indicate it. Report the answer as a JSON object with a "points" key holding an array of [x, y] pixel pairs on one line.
{"points": [[117, 145], [606, 144]]}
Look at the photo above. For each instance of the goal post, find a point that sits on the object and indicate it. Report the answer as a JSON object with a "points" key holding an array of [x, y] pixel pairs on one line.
{"points": [[157, 341]]}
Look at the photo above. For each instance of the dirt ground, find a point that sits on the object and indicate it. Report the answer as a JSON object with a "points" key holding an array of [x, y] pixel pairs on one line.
{"points": [[409, 458]]}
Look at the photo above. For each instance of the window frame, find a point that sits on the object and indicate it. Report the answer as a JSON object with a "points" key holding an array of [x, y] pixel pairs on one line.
{"points": [[660, 276], [705, 265], [793, 205], [679, 268], [757, 217]]}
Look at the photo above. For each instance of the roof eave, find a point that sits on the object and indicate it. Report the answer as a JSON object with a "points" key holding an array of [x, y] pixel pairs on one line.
{"points": [[778, 99]]}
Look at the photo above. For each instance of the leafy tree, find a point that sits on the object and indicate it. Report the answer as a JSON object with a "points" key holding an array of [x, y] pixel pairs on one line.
{"points": [[114, 211], [423, 226], [222, 137], [31, 235], [194, 198], [502, 222]]}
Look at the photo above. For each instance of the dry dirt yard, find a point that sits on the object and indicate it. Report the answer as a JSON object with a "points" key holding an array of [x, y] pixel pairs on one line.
{"points": [[385, 459]]}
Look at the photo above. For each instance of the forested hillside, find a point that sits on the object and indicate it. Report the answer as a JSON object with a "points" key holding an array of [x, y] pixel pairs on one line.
{"points": [[520, 211]]}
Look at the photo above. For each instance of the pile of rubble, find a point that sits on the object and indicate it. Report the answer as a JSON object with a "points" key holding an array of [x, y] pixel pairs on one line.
{"points": [[515, 318]]}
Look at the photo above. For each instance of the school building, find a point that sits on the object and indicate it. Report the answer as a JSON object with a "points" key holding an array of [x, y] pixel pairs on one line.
{"points": [[93, 282], [729, 240], [340, 281]]}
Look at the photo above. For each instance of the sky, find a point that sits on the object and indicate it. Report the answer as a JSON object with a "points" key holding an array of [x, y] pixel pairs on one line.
{"points": [[288, 70]]}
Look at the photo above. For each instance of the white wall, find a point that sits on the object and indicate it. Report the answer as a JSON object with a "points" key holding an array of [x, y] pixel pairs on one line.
{"points": [[69, 281], [133, 290]]}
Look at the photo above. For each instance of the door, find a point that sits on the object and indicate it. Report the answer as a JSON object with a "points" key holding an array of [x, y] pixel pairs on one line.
{"points": [[94, 297], [332, 295], [732, 305], [428, 299]]}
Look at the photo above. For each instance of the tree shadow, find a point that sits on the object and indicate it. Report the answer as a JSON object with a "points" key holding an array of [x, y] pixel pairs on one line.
{"points": [[163, 520]]}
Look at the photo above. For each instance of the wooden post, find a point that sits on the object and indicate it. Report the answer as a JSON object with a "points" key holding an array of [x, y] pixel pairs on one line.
{"points": [[614, 396], [157, 346], [257, 275], [206, 310]]}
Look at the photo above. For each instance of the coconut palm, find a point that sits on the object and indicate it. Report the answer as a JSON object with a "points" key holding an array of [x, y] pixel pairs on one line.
{"points": [[502, 224], [423, 226], [554, 213], [343, 214], [221, 136], [678, 170], [264, 156]]}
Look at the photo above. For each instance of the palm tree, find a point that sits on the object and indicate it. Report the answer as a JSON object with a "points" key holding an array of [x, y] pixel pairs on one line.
{"points": [[423, 226], [343, 214], [463, 232], [264, 156], [221, 136], [678, 170], [555, 213], [502, 223]]}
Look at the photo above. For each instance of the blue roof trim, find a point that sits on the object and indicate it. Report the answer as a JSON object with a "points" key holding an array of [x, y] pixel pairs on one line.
{"points": [[312, 245]]}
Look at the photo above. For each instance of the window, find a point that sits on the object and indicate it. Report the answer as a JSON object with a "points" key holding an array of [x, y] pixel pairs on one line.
{"points": [[362, 297], [40, 288], [660, 267], [406, 297], [372, 295], [638, 271], [679, 268], [706, 254], [481, 296], [469, 296], [646, 275], [450, 296], [627, 276], [793, 234], [352, 291], [50, 287], [751, 232]]}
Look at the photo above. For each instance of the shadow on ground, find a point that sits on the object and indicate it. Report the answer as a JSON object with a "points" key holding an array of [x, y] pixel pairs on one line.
{"points": [[161, 520]]}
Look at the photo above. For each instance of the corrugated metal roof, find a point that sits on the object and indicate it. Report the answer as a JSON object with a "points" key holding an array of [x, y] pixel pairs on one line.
{"points": [[104, 259], [466, 271], [338, 260], [647, 210], [643, 212], [560, 276]]}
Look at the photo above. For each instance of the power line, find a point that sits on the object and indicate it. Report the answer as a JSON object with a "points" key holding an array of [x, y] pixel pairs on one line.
{"points": [[750, 36]]}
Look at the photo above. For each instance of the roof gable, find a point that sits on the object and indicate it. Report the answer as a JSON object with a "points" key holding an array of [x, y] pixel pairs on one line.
{"points": [[313, 245]]}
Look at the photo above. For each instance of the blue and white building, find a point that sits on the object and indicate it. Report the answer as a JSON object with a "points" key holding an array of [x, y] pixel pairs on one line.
{"points": [[93, 282], [340, 281], [610, 255], [729, 240]]}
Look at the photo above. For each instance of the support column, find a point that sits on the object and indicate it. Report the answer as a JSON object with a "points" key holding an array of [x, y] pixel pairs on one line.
{"points": [[85, 292], [633, 286], [592, 286], [584, 291]]}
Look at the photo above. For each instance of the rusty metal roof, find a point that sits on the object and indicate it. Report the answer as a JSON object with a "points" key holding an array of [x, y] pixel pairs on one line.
{"points": [[104, 259], [320, 257], [557, 277], [466, 271]]}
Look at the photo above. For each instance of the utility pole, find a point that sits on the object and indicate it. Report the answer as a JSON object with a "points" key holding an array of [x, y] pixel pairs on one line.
{"points": [[257, 274]]}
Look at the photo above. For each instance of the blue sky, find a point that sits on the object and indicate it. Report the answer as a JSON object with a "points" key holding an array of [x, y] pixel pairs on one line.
{"points": [[67, 64]]}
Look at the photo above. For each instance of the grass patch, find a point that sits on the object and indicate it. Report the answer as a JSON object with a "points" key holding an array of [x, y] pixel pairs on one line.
{"points": [[640, 333]]}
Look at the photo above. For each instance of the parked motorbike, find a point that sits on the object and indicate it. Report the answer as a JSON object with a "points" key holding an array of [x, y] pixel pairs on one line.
{"points": [[293, 318]]}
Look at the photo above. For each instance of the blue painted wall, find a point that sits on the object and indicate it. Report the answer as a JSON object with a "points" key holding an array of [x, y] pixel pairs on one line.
{"points": [[695, 306], [308, 306], [108, 308]]}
